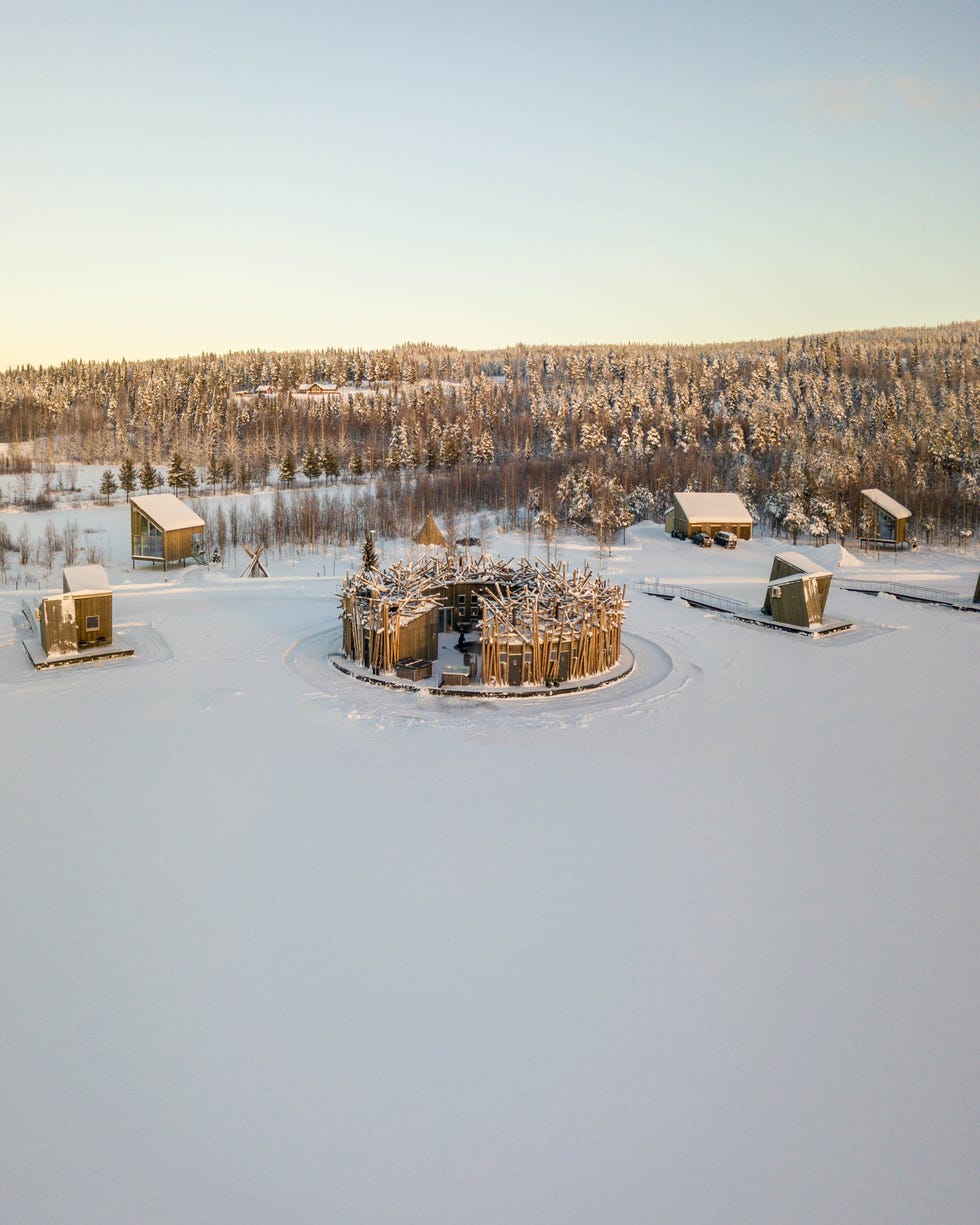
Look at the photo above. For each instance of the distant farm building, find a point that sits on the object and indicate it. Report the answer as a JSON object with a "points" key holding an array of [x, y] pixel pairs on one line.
{"points": [[429, 534], [797, 591], [889, 519], [710, 513], [81, 616], [164, 529], [539, 625]]}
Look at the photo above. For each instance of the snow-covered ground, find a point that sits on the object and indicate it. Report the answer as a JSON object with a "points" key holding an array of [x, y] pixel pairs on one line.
{"points": [[697, 947]]}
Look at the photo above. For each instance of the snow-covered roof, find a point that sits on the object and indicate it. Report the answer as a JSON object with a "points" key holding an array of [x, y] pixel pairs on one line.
{"points": [[85, 578], [789, 580], [717, 507], [887, 504], [799, 561], [166, 511]]}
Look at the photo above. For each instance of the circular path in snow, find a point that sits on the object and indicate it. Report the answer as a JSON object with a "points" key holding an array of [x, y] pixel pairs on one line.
{"points": [[654, 677]]}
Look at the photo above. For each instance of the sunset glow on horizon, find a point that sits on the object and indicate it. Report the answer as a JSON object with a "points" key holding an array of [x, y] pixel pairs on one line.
{"points": [[185, 179]]}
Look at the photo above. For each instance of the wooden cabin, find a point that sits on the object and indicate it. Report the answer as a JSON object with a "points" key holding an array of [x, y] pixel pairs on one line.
{"points": [[710, 513], [890, 518], [797, 591], [164, 529], [81, 616]]}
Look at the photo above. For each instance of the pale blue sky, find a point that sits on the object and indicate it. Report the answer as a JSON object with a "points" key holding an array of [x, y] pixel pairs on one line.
{"points": [[185, 177]]}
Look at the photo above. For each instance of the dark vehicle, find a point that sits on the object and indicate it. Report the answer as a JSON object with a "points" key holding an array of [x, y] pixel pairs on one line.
{"points": [[678, 533], [727, 540], [702, 540]]}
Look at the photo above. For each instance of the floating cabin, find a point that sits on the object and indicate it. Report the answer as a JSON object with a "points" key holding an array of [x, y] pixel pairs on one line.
{"points": [[710, 513], [164, 529], [539, 624], [797, 591], [81, 616], [891, 519]]}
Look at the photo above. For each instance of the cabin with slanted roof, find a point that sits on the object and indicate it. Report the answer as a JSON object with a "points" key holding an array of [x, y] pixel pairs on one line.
{"points": [[890, 519], [797, 591], [164, 529], [81, 616], [710, 513]]}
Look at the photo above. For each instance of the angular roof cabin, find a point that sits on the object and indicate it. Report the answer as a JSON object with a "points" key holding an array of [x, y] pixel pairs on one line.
{"points": [[797, 591], [891, 518], [81, 616], [164, 529], [709, 512]]}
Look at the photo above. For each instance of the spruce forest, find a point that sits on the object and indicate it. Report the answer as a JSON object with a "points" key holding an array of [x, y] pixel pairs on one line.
{"points": [[595, 436]]}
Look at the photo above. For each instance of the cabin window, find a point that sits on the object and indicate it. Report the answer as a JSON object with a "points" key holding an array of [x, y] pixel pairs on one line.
{"points": [[461, 598], [91, 623]]}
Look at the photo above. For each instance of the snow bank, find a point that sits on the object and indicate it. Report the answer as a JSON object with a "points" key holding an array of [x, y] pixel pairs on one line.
{"points": [[832, 556]]}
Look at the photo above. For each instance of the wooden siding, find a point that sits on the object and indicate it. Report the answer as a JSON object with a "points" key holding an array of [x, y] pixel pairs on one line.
{"points": [[781, 568], [889, 527], [64, 621], [799, 600], [379, 638], [151, 543], [712, 526]]}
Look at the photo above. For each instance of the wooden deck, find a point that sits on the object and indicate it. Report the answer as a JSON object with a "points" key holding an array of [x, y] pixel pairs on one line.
{"points": [[40, 660]]}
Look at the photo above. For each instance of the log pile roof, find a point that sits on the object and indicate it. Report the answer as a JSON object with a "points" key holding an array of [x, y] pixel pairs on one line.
{"points": [[524, 592]]}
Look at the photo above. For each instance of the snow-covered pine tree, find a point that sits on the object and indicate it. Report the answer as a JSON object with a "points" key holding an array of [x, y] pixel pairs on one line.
{"points": [[127, 476], [109, 485], [312, 464], [213, 476], [369, 554], [175, 473], [149, 477]]}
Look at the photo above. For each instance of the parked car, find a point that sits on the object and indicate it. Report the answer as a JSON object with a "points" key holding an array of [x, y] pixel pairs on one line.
{"points": [[702, 540], [727, 540], [678, 533]]}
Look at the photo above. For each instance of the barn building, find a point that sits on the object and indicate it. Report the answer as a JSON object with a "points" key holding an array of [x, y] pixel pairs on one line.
{"points": [[710, 513], [164, 529], [889, 519], [797, 591], [81, 616]]}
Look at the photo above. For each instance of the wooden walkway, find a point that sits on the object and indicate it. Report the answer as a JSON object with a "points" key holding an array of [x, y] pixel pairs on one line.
{"points": [[738, 610], [911, 592]]}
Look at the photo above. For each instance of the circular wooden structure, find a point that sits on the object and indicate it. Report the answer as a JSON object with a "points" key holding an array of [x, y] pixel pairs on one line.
{"points": [[539, 624]]}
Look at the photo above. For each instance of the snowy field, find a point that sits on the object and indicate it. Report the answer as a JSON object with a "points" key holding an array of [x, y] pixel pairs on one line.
{"points": [[699, 947]]}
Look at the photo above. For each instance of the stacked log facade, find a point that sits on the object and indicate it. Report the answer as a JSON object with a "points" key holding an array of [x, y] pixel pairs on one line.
{"points": [[540, 624]]}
